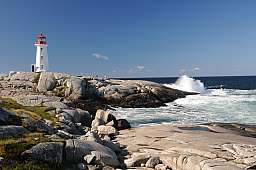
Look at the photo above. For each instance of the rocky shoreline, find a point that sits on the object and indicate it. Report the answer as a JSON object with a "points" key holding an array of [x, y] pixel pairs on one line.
{"points": [[59, 121]]}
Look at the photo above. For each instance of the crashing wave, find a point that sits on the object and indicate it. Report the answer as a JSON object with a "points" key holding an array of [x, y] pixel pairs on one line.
{"points": [[188, 84]]}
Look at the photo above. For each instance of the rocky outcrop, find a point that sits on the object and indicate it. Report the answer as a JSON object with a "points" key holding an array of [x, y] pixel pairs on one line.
{"points": [[23, 76], [137, 93], [119, 93], [203, 147]]}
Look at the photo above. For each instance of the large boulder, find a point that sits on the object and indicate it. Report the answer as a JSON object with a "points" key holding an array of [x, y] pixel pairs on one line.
{"points": [[12, 131], [9, 118], [77, 149], [46, 82], [51, 152], [76, 88], [122, 124], [105, 159]]}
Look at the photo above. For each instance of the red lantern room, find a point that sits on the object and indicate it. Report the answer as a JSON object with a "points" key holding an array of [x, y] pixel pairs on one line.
{"points": [[40, 40]]}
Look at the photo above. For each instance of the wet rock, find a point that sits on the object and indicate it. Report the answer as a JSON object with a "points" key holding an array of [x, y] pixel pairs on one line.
{"points": [[46, 82], [123, 124], [51, 152], [85, 117], [9, 118], [12, 131]]}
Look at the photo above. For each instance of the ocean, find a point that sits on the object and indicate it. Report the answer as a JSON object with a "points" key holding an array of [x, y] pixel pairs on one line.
{"points": [[227, 99]]}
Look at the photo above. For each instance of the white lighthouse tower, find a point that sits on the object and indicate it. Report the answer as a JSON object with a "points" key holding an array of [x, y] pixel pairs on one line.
{"points": [[41, 55]]}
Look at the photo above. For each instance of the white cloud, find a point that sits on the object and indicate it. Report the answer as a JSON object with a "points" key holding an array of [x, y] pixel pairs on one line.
{"points": [[196, 68], [100, 57], [140, 67]]}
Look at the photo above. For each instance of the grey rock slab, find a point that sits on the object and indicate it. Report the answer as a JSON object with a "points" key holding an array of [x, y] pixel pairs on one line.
{"points": [[185, 146], [111, 145], [51, 152], [77, 149], [9, 118], [56, 105], [105, 159], [34, 99], [12, 131]]}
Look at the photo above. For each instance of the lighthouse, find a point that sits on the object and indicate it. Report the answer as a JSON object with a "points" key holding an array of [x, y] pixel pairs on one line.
{"points": [[41, 55]]}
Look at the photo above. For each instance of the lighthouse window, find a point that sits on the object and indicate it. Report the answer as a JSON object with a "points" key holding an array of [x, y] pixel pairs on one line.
{"points": [[42, 66], [41, 49]]}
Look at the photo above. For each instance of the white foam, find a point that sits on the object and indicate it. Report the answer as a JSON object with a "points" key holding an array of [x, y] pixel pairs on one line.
{"points": [[188, 84], [235, 106], [218, 92]]}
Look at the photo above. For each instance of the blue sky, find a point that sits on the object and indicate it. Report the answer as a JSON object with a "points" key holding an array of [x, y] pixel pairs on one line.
{"points": [[132, 38]]}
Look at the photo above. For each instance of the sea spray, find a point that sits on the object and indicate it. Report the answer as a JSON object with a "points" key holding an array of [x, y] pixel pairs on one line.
{"points": [[188, 84]]}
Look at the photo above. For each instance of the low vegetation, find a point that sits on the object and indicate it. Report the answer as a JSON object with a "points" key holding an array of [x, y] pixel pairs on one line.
{"points": [[11, 149], [36, 112]]}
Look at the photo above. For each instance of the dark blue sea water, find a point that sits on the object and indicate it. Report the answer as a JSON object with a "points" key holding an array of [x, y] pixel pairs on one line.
{"points": [[228, 82], [222, 99]]}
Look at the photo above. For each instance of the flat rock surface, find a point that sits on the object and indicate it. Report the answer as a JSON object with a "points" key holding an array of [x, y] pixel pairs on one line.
{"points": [[191, 147]]}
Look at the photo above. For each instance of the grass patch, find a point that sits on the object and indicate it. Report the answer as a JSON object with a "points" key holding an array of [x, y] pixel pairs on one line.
{"points": [[37, 112], [11, 149]]}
